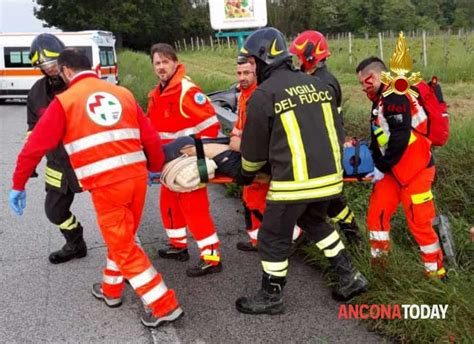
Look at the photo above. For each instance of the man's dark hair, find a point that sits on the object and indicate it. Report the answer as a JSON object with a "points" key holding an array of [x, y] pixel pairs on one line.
{"points": [[163, 49], [75, 59], [373, 62]]}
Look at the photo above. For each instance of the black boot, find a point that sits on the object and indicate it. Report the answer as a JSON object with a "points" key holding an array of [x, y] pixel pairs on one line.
{"points": [[351, 232], [75, 246], [269, 299], [351, 281]]}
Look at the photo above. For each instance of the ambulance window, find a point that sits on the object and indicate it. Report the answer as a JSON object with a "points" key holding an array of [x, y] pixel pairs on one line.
{"points": [[17, 57], [103, 58], [106, 56], [110, 55]]}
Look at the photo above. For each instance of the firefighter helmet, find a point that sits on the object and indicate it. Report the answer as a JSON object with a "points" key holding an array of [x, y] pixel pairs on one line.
{"points": [[44, 49], [266, 44], [310, 47]]}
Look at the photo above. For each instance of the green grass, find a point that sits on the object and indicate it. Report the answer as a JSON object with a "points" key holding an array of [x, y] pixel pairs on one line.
{"points": [[403, 281]]}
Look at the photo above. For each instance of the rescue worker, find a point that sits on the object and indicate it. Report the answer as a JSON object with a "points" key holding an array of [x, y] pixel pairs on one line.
{"points": [[61, 182], [104, 133], [253, 195], [312, 51], [292, 124], [177, 107], [404, 169]]}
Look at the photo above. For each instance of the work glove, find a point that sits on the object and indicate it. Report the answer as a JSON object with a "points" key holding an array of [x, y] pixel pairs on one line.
{"points": [[152, 176], [17, 200], [241, 179], [376, 175]]}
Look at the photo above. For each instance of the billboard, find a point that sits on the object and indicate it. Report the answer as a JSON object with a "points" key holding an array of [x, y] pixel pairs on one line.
{"points": [[237, 14]]}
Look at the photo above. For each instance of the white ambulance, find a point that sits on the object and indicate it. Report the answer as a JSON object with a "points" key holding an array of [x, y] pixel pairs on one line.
{"points": [[17, 75]]}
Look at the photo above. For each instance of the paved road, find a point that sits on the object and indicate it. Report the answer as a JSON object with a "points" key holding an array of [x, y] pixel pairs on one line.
{"points": [[41, 302]]}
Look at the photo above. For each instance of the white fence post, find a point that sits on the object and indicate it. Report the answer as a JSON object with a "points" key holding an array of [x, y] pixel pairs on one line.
{"points": [[228, 42], [381, 46], [192, 43], [185, 45], [212, 42], [425, 57], [350, 48]]}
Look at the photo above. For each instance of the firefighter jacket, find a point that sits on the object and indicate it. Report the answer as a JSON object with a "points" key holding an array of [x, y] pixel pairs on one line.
{"points": [[242, 109], [292, 123], [102, 129], [181, 109], [59, 173], [324, 74], [398, 146]]}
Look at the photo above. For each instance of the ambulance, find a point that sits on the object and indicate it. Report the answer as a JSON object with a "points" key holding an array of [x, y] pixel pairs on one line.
{"points": [[17, 75]]}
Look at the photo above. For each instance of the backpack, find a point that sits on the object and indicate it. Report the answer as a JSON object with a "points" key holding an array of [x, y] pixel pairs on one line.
{"points": [[357, 159], [431, 99]]}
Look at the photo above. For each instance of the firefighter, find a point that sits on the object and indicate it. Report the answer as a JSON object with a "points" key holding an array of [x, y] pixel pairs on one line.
{"points": [[61, 182], [312, 51], [404, 168], [292, 124], [253, 195], [177, 107], [104, 132]]}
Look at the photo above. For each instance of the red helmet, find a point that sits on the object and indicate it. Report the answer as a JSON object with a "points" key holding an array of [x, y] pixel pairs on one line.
{"points": [[310, 47]]}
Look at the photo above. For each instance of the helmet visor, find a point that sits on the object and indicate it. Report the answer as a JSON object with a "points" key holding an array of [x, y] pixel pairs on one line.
{"points": [[49, 67]]}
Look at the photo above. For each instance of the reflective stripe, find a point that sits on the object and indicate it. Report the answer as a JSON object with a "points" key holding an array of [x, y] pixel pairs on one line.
{"points": [[334, 251], [210, 240], [111, 265], [339, 109], [252, 166], [176, 232], [379, 235], [109, 164], [53, 173], [422, 197], [209, 257], [253, 234], [112, 279], [181, 241], [378, 252], [70, 223], [346, 215], [186, 85], [307, 184], [191, 130], [155, 293], [52, 181], [328, 241], [431, 266], [295, 143], [382, 138], [430, 248], [142, 279], [100, 138], [297, 231], [307, 194], [333, 138], [419, 118], [279, 269]]}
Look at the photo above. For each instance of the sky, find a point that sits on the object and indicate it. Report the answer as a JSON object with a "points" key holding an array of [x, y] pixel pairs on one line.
{"points": [[17, 16]]}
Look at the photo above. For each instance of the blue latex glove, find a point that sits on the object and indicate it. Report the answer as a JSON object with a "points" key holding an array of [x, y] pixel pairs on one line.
{"points": [[376, 175], [17, 200], [151, 176]]}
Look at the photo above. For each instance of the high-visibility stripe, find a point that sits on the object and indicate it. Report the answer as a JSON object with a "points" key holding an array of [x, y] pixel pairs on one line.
{"points": [[253, 233], [422, 197], [210, 240], [111, 265], [211, 257], [191, 130], [109, 164], [377, 252], [328, 241], [295, 142], [181, 241], [142, 279], [345, 215], [112, 280], [334, 251], [305, 194], [382, 138], [333, 138], [53, 173], [297, 231], [252, 166], [100, 138], [70, 223], [307, 184], [431, 266], [430, 248], [379, 235], [419, 118], [279, 269], [155, 293], [52, 181], [176, 232]]}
